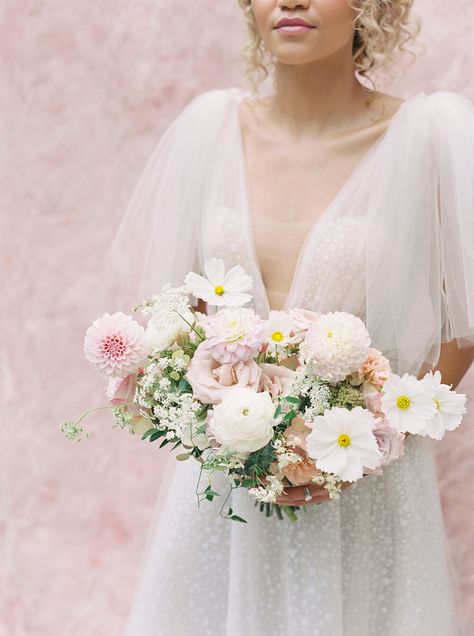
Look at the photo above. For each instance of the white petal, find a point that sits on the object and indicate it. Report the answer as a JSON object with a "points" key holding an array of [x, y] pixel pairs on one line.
{"points": [[237, 279], [335, 462], [215, 270]]}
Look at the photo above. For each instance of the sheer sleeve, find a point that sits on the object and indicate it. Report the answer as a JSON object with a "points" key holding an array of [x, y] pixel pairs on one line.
{"points": [[420, 263], [156, 241], [453, 118]]}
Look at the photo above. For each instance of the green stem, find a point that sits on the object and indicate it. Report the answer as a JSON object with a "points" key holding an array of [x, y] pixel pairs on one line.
{"points": [[188, 323], [99, 408]]}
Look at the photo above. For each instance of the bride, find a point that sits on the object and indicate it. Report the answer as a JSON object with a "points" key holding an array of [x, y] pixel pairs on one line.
{"points": [[332, 197]]}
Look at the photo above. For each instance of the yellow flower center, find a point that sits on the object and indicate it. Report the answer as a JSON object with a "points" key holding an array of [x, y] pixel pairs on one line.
{"points": [[403, 401], [277, 336], [437, 403], [245, 411], [219, 290], [343, 440], [329, 334]]}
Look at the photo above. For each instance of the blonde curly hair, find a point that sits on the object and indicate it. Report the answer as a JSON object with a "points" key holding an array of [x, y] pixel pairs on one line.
{"points": [[382, 30]]}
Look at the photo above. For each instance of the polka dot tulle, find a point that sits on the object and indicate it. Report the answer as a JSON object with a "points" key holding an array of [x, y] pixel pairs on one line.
{"points": [[373, 563]]}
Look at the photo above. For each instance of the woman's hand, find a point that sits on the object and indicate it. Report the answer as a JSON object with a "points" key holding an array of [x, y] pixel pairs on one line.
{"points": [[294, 495]]}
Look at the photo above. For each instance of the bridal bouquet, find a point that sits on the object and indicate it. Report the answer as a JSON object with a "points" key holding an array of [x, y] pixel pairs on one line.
{"points": [[298, 398]]}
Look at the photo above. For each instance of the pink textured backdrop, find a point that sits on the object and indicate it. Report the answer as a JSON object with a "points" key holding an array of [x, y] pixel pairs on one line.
{"points": [[85, 91]]}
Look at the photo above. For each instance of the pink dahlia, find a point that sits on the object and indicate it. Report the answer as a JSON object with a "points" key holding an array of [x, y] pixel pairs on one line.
{"points": [[115, 345], [233, 334]]}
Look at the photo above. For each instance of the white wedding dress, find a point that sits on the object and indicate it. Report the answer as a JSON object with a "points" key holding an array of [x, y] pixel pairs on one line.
{"points": [[395, 247]]}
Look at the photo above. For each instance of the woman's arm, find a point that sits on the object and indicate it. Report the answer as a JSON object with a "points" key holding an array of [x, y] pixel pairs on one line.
{"points": [[453, 363]]}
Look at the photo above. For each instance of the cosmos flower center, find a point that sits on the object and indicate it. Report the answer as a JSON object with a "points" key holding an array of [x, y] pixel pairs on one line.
{"points": [[329, 334], [403, 401], [277, 336], [219, 290], [343, 440], [245, 411]]}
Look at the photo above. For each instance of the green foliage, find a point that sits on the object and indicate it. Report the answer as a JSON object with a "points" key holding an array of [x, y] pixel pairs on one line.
{"points": [[258, 462]]}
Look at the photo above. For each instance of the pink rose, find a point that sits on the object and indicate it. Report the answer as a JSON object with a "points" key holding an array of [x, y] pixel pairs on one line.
{"points": [[210, 379], [390, 443], [121, 390], [302, 319], [275, 379]]}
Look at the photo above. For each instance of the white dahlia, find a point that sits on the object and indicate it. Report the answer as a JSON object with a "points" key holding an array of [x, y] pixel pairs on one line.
{"points": [[450, 407], [337, 343], [115, 345], [342, 442], [219, 287], [408, 403]]}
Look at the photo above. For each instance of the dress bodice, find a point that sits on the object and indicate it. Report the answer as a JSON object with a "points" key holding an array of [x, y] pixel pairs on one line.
{"points": [[332, 260]]}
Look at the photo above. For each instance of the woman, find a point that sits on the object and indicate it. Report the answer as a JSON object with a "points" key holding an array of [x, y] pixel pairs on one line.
{"points": [[333, 197]]}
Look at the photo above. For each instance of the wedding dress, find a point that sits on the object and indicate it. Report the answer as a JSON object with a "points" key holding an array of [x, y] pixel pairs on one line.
{"points": [[396, 248]]}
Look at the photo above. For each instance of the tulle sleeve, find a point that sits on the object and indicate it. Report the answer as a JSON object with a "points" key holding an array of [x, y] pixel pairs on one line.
{"points": [[453, 119], [156, 241], [420, 263]]}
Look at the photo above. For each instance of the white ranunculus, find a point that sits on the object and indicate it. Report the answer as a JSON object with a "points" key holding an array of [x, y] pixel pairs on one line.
{"points": [[244, 420]]}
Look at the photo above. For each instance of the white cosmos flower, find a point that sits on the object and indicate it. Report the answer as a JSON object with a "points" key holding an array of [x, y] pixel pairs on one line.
{"points": [[220, 287], [277, 329], [450, 407], [408, 403], [342, 442]]}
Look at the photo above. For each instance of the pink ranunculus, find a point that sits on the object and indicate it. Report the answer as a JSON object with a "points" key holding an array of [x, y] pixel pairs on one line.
{"points": [[302, 319], [121, 390], [233, 334], [390, 443], [275, 379], [210, 380]]}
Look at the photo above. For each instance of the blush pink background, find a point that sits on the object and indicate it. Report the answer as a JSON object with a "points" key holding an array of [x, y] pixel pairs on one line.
{"points": [[86, 90]]}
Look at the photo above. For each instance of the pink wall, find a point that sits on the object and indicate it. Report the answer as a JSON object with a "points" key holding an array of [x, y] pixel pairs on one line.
{"points": [[86, 88]]}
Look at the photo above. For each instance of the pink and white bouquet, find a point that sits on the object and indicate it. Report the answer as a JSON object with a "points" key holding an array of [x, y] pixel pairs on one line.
{"points": [[294, 399]]}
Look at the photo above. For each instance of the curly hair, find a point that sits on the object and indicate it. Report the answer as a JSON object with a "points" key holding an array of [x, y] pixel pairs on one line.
{"points": [[382, 30]]}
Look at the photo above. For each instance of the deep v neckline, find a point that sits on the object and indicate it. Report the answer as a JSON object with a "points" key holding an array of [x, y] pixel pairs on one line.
{"points": [[247, 212]]}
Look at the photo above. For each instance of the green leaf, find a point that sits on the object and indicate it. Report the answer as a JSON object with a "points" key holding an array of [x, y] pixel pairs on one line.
{"points": [[213, 493], [237, 518], [149, 432], [182, 457], [177, 444], [292, 399], [201, 429], [164, 442], [156, 435], [247, 483], [277, 411]]}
